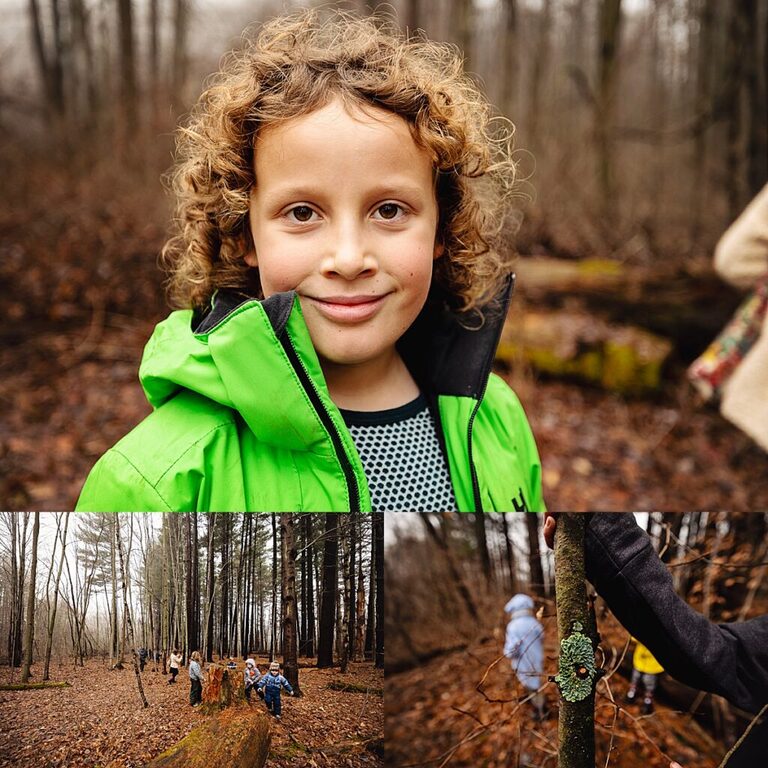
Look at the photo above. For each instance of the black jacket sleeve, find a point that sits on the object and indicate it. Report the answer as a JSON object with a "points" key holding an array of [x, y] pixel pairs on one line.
{"points": [[730, 659]]}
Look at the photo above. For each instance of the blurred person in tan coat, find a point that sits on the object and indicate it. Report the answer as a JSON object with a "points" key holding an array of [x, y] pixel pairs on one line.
{"points": [[741, 258]]}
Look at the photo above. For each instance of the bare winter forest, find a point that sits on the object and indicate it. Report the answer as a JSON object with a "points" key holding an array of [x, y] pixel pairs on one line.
{"points": [[641, 133], [92, 607], [452, 698]]}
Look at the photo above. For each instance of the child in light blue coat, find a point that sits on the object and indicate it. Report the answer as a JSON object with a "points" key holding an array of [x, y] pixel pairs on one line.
{"points": [[524, 645]]}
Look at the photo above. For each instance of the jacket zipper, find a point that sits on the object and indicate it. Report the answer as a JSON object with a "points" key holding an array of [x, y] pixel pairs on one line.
{"points": [[486, 376], [327, 421], [472, 468]]}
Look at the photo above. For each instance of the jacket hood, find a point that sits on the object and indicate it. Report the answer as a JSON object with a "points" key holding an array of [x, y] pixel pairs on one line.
{"points": [[239, 355], [520, 602]]}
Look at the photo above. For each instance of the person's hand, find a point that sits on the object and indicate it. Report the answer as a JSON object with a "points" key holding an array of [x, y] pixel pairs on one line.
{"points": [[550, 526], [675, 765]]}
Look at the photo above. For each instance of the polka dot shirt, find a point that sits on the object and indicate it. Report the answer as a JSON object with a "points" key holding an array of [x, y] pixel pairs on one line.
{"points": [[402, 459]]}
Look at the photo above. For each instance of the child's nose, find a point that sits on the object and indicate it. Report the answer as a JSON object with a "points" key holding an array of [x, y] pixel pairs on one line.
{"points": [[349, 255]]}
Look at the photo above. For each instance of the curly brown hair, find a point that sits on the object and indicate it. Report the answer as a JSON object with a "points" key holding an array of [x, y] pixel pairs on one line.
{"points": [[297, 64]]}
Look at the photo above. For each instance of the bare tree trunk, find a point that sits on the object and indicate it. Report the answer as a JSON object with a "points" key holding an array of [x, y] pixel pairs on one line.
{"points": [[733, 109], [510, 73], [310, 588], [370, 625], [290, 649], [154, 51], [534, 554], [17, 601], [52, 614], [378, 538], [541, 58], [354, 520], [482, 547], [225, 579], [360, 623], [458, 580], [703, 105], [576, 726], [510, 554], [273, 641], [209, 591], [127, 615], [179, 62], [757, 116], [328, 593], [127, 65], [346, 597], [610, 23], [29, 631], [114, 660], [411, 15]]}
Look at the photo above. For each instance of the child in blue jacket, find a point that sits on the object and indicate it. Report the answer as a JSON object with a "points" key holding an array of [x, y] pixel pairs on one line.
{"points": [[272, 683]]}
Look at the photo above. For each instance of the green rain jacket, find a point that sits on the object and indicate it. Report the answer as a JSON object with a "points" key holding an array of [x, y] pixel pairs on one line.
{"points": [[243, 420]]}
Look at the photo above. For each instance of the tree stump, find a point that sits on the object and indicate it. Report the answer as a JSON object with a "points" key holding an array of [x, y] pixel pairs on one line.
{"points": [[224, 688], [235, 738]]}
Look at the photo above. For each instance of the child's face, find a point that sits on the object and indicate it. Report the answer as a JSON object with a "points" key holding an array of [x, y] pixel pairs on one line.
{"points": [[344, 212]]}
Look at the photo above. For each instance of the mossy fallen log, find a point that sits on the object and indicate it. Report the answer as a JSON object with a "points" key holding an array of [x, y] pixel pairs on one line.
{"points": [[685, 302], [349, 687], [33, 686], [571, 344], [238, 737]]}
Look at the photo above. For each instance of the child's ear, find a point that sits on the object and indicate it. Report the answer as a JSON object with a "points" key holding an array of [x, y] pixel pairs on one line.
{"points": [[251, 259], [439, 251]]}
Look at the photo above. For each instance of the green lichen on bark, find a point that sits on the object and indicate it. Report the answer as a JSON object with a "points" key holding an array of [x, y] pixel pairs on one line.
{"points": [[577, 675]]}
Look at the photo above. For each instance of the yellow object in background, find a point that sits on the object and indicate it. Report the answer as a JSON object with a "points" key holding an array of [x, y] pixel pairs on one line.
{"points": [[645, 662]]}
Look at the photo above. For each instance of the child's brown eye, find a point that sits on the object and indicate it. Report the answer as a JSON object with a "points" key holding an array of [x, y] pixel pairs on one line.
{"points": [[389, 210], [302, 213]]}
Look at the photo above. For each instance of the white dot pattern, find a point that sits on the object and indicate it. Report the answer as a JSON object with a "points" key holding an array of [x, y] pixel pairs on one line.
{"points": [[402, 459]]}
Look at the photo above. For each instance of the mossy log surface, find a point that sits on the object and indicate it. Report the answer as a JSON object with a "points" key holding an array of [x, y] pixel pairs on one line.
{"points": [[238, 737], [621, 359], [687, 303], [32, 686]]}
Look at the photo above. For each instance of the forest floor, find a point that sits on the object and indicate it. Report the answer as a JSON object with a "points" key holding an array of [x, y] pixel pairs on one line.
{"points": [[465, 708], [99, 720]]}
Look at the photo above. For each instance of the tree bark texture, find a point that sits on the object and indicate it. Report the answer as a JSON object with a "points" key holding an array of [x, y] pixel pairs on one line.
{"points": [[328, 594], [290, 649], [378, 537], [29, 631], [127, 613], [576, 726]]}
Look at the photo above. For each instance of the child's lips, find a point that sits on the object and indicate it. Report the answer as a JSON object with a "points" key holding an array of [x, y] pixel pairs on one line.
{"points": [[348, 309]]}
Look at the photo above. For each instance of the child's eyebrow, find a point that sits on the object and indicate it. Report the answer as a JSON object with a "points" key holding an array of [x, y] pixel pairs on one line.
{"points": [[310, 191]]}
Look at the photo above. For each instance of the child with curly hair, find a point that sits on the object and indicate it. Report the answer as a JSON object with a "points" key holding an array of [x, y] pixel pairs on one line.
{"points": [[343, 269]]}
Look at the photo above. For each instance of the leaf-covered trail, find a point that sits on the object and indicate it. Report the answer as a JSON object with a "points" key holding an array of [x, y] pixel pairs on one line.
{"points": [[99, 720], [436, 715]]}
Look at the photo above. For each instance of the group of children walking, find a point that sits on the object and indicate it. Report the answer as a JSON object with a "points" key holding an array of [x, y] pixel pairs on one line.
{"points": [[268, 686]]}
